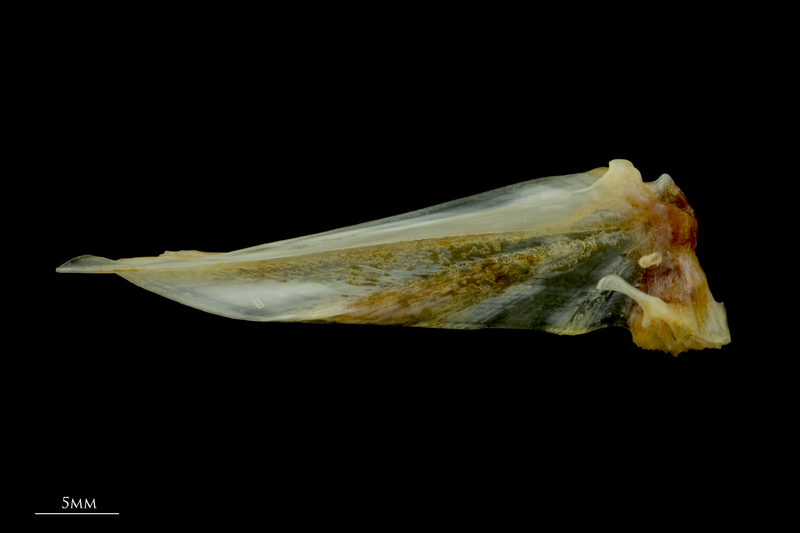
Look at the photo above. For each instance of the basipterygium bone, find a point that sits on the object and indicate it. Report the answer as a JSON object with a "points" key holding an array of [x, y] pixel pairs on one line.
{"points": [[565, 254]]}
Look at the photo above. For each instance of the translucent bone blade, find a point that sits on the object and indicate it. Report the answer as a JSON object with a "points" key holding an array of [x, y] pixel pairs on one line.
{"points": [[566, 254]]}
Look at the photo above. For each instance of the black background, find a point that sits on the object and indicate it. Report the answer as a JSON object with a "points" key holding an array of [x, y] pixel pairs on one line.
{"points": [[219, 137]]}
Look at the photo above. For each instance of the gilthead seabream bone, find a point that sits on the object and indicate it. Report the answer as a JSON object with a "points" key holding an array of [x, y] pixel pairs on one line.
{"points": [[565, 254]]}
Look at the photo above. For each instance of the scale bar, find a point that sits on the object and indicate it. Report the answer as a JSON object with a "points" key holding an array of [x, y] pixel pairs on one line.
{"points": [[75, 513]]}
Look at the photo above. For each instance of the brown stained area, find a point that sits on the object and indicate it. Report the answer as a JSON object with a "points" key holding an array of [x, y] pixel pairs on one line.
{"points": [[689, 300], [669, 226], [369, 265], [667, 283], [668, 223], [446, 291], [681, 219]]}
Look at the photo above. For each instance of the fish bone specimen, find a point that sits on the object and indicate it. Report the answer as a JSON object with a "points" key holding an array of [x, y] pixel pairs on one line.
{"points": [[565, 254]]}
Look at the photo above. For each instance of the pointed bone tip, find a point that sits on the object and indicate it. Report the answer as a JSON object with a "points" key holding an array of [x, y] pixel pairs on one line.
{"points": [[621, 174], [661, 184], [68, 266], [665, 179], [84, 264], [620, 163]]}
